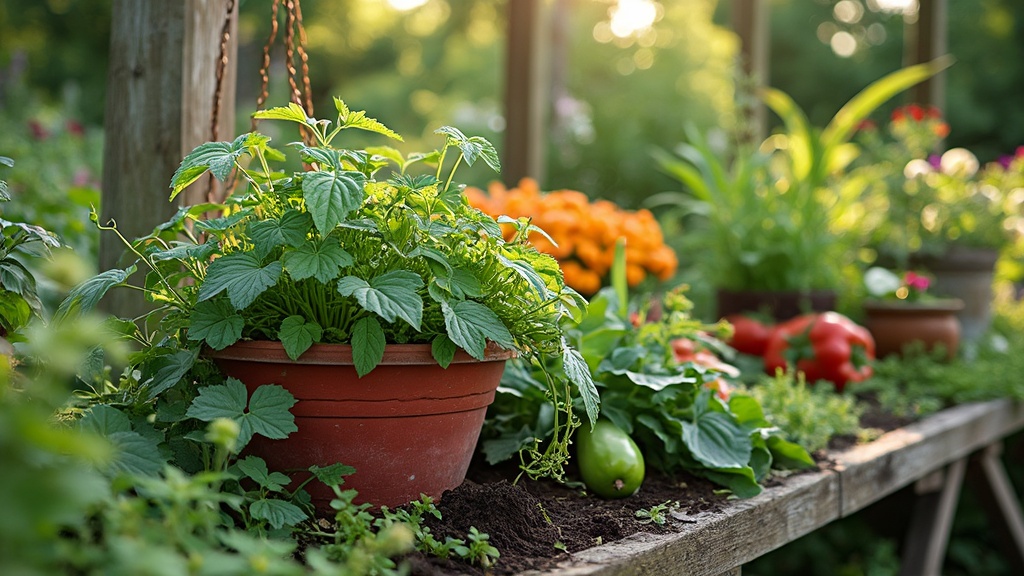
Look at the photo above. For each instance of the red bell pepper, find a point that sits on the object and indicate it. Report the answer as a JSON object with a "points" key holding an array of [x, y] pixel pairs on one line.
{"points": [[750, 336], [826, 346]]}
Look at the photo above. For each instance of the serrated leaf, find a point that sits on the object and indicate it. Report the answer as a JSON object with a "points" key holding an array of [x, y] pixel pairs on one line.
{"points": [[5, 196], [292, 112], [216, 323], [387, 152], [297, 335], [217, 157], [443, 350], [105, 420], [332, 475], [84, 297], [527, 271], [223, 223], [277, 512], [225, 400], [331, 196], [391, 295], [350, 119], [241, 275], [322, 259], [183, 250], [324, 158], [290, 230], [256, 469], [367, 345], [485, 150], [578, 371], [165, 371], [268, 413], [136, 454], [471, 324]]}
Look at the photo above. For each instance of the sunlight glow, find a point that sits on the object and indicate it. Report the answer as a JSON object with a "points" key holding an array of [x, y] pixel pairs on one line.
{"points": [[894, 6], [630, 17], [406, 5]]}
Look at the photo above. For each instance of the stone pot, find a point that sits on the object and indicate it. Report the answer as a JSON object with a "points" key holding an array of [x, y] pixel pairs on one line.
{"points": [[965, 274], [894, 325], [408, 427], [781, 305]]}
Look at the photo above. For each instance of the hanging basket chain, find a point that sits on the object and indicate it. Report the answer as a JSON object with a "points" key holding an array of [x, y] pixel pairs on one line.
{"points": [[295, 51], [265, 66]]}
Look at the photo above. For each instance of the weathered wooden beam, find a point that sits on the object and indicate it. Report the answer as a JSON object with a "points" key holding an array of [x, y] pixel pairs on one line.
{"points": [[932, 520], [750, 22], [526, 90], [160, 87], [926, 38]]}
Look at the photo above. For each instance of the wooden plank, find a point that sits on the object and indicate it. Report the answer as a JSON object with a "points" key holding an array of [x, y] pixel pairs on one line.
{"points": [[873, 471], [719, 543], [142, 121]]}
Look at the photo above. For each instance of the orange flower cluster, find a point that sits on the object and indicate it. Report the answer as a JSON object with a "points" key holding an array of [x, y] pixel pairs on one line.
{"points": [[585, 232]]}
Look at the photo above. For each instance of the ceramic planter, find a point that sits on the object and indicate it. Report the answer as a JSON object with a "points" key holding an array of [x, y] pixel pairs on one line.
{"points": [[781, 305], [896, 324], [408, 427], [966, 274]]}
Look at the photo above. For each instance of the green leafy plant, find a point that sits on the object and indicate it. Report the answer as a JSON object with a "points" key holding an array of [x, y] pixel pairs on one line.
{"points": [[19, 298], [658, 514], [337, 253], [773, 223], [806, 415]]}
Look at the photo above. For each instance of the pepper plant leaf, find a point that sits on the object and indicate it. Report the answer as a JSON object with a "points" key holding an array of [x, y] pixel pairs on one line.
{"points": [[166, 370], [471, 324], [216, 323], [367, 345], [578, 371], [322, 259], [297, 335], [391, 295], [84, 297], [330, 196], [241, 275], [290, 229]]}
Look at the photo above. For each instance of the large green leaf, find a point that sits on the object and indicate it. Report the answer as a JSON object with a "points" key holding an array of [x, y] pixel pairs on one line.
{"points": [[716, 441], [167, 370], [391, 295], [84, 297], [136, 454], [292, 112], [256, 468], [471, 147], [241, 275], [217, 157], [471, 324], [740, 481], [332, 475], [367, 345], [358, 119], [105, 420], [223, 223], [297, 335], [322, 259], [289, 230], [217, 323], [277, 512], [787, 454], [578, 371], [268, 413], [330, 196]]}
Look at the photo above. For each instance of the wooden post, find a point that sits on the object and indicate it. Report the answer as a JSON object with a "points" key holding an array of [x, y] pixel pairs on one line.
{"points": [[928, 533], [751, 23], [159, 96], [926, 40], [526, 92]]}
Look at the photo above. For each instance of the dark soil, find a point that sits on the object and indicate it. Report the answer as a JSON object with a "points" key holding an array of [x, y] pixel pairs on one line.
{"points": [[537, 524]]}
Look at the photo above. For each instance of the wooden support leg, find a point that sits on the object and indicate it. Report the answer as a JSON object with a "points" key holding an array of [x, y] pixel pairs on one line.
{"points": [[932, 519], [997, 495]]}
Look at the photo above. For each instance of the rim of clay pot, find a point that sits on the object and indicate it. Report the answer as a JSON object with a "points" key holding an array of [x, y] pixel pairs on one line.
{"points": [[944, 305], [958, 258], [406, 354]]}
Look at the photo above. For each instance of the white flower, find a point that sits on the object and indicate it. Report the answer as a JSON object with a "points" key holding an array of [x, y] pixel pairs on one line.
{"points": [[881, 282], [959, 162], [917, 167]]}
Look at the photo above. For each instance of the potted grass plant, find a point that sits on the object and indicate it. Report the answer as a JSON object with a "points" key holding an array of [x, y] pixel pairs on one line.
{"points": [[369, 289], [768, 224]]}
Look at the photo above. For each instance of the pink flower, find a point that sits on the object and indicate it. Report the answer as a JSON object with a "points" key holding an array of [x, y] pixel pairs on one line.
{"points": [[916, 281]]}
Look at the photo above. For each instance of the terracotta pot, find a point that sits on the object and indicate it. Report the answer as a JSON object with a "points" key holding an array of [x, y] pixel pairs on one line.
{"points": [[965, 274], [778, 305], [896, 324], [408, 427]]}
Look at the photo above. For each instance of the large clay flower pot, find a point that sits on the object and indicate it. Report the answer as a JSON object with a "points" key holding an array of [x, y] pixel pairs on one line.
{"points": [[896, 324], [408, 427], [780, 306]]}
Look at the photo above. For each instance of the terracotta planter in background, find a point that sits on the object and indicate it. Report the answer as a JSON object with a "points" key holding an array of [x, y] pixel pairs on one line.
{"points": [[778, 305], [408, 427], [896, 324]]}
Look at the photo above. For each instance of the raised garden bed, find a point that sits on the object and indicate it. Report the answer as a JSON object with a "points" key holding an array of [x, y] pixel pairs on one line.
{"points": [[709, 535]]}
